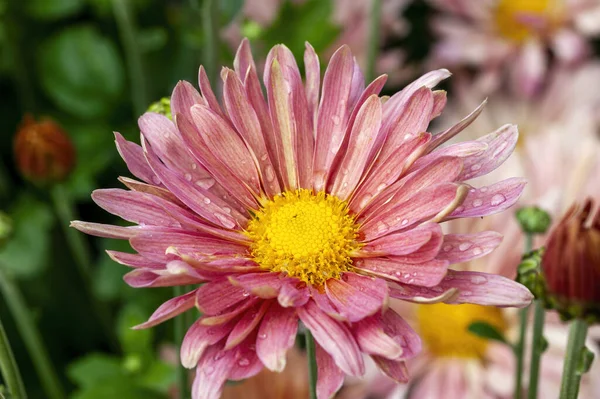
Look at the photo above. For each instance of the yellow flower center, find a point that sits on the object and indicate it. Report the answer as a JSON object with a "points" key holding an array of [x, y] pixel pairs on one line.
{"points": [[307, 236], [444, 328], [513, 17]]}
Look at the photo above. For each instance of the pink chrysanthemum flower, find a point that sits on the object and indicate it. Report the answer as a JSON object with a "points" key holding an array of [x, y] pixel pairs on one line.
{"points": [[515, 36], [315, 204]]}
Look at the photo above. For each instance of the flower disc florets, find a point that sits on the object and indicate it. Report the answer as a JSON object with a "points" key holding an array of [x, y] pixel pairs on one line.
{"points": [[307, 236]]}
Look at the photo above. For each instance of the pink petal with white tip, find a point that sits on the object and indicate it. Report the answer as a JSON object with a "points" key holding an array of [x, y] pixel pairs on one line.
{"points": [[362, 137], [243, 59], [458, 150], [157, 191], [401, 243], [264, 285], [445, 135], [428, 273], [106, 230], [334, 337], [230, 313], [357, 87], [313, 81], [329, 376], [212, 371], [246, 324], [293, 295], [395, 369], [490, 200], [133, 155], [459, 248], [170, 309], [276, 334], [175, 273], [473, 287], [185, 96], [133, 260], [247, 363], [372, 339], [356, 296], [216, 296], [501, 144], [208, 94], [199, 337], [440, 98], [333, 113]]}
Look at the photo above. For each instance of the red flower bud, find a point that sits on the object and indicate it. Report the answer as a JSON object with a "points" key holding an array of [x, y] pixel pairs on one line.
{"points": [[571, 263], [43, 151]]}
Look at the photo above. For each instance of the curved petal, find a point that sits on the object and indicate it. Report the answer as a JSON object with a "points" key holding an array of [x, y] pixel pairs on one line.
{"points": [[427, 274], [329, 376], [459, 248], [199, 337], [489, 200], [246, 325], [276, 334], [133, 155], [356, 296], [168, 310]]}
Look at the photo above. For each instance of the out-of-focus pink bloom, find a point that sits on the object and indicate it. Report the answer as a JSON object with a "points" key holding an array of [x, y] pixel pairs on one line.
{"points": [[314, 204], [508, 37], [352, 17]]}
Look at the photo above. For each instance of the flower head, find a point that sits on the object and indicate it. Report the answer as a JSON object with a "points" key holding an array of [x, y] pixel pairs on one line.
{"points": [[43, 151], [314, 204], [571, 263]]}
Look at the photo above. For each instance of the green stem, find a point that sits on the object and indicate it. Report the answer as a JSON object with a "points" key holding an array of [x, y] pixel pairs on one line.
{"points": [[133, 56], [520, 346], [571, 374], [31, 337], [9, 369], [65, 210], [210, 22], [537, 348], [373, 47], [180, 329], [312, 364]]}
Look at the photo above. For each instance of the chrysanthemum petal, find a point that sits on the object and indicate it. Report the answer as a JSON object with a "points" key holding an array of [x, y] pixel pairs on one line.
{"points": [[106, 230], [247, 363], [313, 80], [156, 191], [372, 339], [133, 260], [490, 200], [247, 323], [276, 334], [473, 287], [395, 369], [334, 337], [208, 94], [264, 285], [356, 296], [459, 248], [362, 137], [184, 96], [291, 295], [173, 274], [329, 376], [133, 155], [199, 337], [230, 313], [445, 135], [243, 59], [170, 309], [460, 150], [216, 296], [333, 113], [427, 274], [440, 98], [212, 371], [401, 243]]}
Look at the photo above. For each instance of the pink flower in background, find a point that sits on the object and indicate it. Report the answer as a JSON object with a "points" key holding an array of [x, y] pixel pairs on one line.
{"points": [[508, 37], [315, 204]]}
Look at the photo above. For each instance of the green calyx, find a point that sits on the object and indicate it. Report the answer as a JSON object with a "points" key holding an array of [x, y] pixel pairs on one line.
{"points": [[533, 220]]}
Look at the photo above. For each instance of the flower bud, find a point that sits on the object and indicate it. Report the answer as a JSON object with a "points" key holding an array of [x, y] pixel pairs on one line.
{"points": [[43, 151], [533, 220], [162, 106], [571, 264]]}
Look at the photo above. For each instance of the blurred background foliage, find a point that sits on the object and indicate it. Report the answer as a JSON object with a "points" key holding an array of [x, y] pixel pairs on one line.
{"points": [[94, 66]]}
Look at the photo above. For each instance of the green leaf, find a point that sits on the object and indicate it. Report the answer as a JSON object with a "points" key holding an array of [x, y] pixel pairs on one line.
{"points": [[118, 388], [487, 331], [300, 22], [586, 360], [25, 254], [134, 341], [53, 9], [95, 369], [159, 377], [81, 71]]}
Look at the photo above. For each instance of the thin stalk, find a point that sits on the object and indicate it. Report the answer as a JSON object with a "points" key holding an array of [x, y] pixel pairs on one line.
{"points": [[373, 45], [180, 329], [65, 210], [312, 364], [9, 368], [210, 22], [571, 377], [537, 349], [31, 337], [520, 347], [133, 56]]}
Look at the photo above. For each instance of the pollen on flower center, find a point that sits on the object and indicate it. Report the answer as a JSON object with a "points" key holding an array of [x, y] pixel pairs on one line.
{"points": [[444, 328], [310, 237], [518, 20]]}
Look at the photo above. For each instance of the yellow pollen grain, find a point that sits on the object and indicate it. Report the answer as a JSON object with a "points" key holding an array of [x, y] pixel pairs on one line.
{"points": [[443, 328], [509, 15], [307, 236]]}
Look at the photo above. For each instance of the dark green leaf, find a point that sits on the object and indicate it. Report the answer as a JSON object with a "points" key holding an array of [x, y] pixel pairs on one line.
{"points": [[487, 331], [81, 71], [95, 369], [158, 377], [134, 341], [53, 9]]}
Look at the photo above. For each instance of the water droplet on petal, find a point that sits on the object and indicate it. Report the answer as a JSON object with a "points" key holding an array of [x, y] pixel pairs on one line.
{"points": [[208, 370], [497, 199], [478, 279], [188, 177], [245, 294], [264, 157], [459, 209], [475, 167], [464, 246], [477, 203], [404, 222], [155, 179], [243, 362], [382, 227], [262, 336], [206, 200], [381, 187], [483, 189], [194, 166], [477, 251], [336, 119], [219, 355], [447, 247]]}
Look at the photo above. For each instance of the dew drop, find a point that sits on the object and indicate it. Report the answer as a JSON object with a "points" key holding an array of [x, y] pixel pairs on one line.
{"points": [[382, 227], [365, 200], [475, 167], [243, 362], [227, 210], [500, 148], [188, 177], [262, 336], [407, 275], [412, 280], [447, 247], [225, 221], [206, 200], [155, 179], [245, 294], [336, 119], [269, 173], [219, 355], [437, 289], [194, 166], [464, 246], [477, 203], [381, 187], [459, 209], [208, 370], [497, 199], [478, 280], [264, 157], [399, 274], [206, 183], [477, 251], [404, 222], [483, 189]]}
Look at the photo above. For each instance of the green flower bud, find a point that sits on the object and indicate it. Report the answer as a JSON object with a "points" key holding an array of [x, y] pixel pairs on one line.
{"points": [[162, 106], [533, 220]]}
